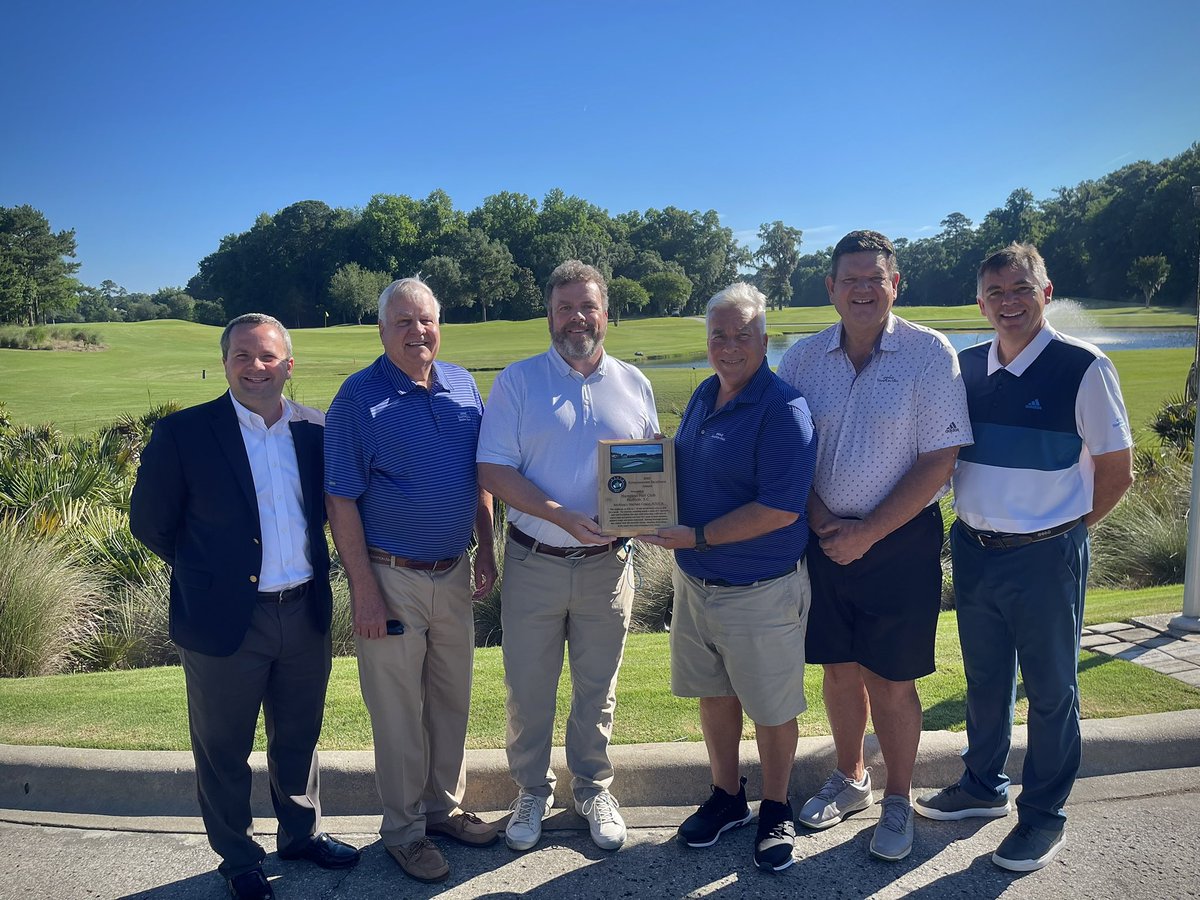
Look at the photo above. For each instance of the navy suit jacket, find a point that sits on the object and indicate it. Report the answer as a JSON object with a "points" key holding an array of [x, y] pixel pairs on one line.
{"points": [[194, 506]]}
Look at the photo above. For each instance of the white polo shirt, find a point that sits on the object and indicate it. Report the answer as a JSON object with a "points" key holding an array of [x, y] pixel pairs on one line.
{"points": [[871, 425], [544, 419]]}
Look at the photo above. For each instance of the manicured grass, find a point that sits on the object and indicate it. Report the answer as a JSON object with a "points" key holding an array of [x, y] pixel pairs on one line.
{"points": [[144, 709], [147, 363]]}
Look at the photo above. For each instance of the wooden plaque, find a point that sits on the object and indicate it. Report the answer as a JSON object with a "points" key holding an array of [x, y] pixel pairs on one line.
{"points": [[637, 486]]}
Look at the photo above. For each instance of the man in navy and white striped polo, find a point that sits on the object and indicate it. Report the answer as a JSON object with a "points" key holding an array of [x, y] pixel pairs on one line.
{"points": [[564, 580], [744, 455], [403, 502], [1052, 456]]}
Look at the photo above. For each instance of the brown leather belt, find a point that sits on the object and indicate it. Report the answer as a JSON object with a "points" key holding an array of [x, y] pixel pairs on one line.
{"points": [[525, 540], [399, 562], [285, 596], [999, 540]]}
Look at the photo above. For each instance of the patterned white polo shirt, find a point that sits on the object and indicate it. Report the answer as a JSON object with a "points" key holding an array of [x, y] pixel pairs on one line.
{"points": [[871, 425]]}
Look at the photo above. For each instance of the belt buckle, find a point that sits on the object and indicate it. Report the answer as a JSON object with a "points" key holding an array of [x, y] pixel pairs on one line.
{"points": [[576, 554]]}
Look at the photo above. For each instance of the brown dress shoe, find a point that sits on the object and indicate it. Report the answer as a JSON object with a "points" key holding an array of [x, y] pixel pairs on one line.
{"points": [[421, 860], [466, 828]]}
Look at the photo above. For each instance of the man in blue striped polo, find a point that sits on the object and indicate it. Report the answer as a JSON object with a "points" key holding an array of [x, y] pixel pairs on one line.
{"points": [[403, 502], [1052, 456], [745, 454]]}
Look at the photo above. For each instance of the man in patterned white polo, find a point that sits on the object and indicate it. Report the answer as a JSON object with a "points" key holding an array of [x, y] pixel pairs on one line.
{"points": [[890, 412], [1052, 456], [403, 501]]}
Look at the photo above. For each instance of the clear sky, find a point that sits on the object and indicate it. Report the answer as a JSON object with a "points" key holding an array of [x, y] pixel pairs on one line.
{"points": [[155, 128]]}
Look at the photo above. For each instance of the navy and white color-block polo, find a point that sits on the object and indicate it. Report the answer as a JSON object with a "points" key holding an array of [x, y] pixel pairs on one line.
{"points": [[759, 447], [407, 455], [1037, 423]]}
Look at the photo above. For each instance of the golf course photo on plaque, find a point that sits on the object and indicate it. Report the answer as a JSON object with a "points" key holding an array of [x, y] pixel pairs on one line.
{"points": [[637, 486]]}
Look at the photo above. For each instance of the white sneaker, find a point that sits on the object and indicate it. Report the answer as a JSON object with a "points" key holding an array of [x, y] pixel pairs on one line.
{"points": [[525, 824], [604, 821]]}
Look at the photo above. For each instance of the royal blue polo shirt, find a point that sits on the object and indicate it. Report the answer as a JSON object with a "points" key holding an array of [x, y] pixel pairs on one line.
{"points": [[407, 455], [758, 447]]}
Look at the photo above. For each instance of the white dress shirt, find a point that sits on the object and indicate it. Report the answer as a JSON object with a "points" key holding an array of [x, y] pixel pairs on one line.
{"points": [[285, 554]]}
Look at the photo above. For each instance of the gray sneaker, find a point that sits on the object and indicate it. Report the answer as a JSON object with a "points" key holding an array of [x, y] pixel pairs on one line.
{"points": [[837, 799], [893, 838], [954, 803]]}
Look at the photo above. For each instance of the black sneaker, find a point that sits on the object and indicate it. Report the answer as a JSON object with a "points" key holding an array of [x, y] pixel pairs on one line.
{"points": [[1027, 849], [718, 814], [776, 836]]}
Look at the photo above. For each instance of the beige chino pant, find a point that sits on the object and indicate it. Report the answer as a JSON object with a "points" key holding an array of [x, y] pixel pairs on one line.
{"points": [[547, 601], [417, 687]]}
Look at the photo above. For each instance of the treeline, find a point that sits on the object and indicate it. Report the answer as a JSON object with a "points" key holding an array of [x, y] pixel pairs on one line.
{"points": [[1131, 233]]}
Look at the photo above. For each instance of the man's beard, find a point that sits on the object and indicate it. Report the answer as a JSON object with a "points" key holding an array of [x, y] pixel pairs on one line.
{"points": [[578, 346]]}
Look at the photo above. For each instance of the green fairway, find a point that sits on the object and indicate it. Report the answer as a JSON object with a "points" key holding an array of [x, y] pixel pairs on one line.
{"points": [[144, 709], [147, 363]]}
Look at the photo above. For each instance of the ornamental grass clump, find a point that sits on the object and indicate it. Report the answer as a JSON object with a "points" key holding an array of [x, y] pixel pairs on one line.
{"points": [[1143, 541], [47, 604]]}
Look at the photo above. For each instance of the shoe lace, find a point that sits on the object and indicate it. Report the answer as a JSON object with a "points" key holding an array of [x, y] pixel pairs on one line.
{"points": [[835, 785], [523, 808], [895, 814], [603, 804], [421, 847]]}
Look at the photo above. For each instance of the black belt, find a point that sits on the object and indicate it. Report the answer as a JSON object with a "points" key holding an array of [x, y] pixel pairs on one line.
{"points": [[399, 562], [287, 595], [999, 540], [525, 540], [721, 582]]}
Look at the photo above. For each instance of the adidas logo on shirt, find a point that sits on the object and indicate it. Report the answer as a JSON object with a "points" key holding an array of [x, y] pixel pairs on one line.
{"points": [[1034, 404], [952, 428]]}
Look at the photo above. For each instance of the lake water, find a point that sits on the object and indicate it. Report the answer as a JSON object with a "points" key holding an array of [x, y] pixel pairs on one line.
{"points": [[1107, 339]]}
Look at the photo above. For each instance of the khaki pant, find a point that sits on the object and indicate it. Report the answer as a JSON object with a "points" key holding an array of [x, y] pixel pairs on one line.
{"points": [[547, 601], [417, 687]]}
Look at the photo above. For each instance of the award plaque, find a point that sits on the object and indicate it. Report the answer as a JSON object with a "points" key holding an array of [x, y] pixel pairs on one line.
{"points": [[637, 486]]}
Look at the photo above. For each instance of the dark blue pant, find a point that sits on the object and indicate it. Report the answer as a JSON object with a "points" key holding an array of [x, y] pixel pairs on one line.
{"points": [[1023, 605]]}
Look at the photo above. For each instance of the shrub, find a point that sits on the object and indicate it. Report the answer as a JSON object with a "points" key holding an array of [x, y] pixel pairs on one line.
{"points": [[47, 603], [132, 626], [1143, 541], [652, 566]]}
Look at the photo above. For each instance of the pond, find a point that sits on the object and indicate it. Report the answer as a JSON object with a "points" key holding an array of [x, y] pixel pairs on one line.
{"points": [[1107, 339]]}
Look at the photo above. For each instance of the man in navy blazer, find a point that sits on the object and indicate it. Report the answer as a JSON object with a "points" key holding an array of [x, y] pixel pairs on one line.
{"points": [[230, 496]]}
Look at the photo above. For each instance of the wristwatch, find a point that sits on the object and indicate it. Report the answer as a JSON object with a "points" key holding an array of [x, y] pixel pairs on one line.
{"points": [[701, 543]]}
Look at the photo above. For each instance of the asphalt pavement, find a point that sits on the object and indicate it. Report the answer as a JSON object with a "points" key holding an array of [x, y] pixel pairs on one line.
{"points": [[1134, 835]]}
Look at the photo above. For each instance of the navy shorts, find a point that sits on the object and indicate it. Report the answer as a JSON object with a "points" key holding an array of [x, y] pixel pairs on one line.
{"points": [[880, 611]]}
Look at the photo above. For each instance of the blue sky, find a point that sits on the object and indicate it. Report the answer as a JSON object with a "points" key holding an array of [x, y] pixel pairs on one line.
{"points": [[155, 128]]}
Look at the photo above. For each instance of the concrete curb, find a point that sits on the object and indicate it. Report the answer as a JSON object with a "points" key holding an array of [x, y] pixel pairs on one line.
{"points": [[145, 783]]}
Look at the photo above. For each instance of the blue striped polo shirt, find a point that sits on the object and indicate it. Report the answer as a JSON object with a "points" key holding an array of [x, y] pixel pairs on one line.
{"points": [[758, 447], [407, 455]]}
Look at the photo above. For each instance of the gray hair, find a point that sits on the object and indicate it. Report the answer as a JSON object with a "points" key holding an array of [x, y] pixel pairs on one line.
{"points": [[573, 271], [744, 297], [1014, 256], [254, 319], [407, 287]]}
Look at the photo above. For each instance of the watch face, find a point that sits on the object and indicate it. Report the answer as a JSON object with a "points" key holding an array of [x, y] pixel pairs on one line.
{"points": [[616, 484]]}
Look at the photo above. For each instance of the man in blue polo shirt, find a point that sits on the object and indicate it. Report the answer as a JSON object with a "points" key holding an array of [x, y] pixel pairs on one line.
{"points": [[1052, 456], [745, 454], [403, 501]]}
